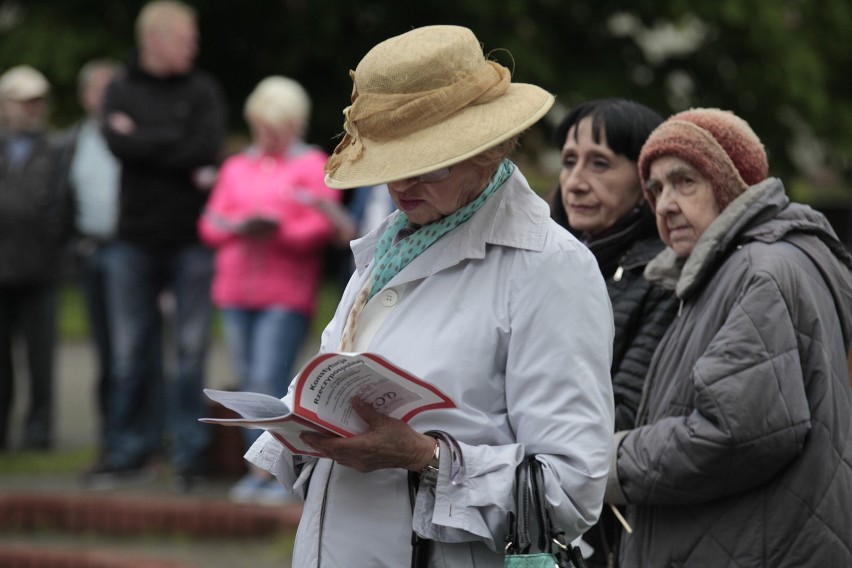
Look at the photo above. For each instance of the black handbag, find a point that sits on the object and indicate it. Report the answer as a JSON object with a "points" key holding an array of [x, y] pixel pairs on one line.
{"points": [[419, 545], [534, 520]]}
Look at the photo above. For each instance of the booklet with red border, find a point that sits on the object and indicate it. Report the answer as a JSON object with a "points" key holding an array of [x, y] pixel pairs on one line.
{"points": [[322, 399]]}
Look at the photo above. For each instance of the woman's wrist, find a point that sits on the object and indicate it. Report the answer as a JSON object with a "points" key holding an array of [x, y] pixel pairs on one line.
{"points": [[429, 473], [426, 452]]}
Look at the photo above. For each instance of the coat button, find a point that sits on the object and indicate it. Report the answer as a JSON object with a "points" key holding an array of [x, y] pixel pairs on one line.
{"points": [[389, 298]]}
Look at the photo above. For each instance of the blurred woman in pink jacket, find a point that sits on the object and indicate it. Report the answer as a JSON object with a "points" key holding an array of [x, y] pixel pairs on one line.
{"points": [[265, 220]]}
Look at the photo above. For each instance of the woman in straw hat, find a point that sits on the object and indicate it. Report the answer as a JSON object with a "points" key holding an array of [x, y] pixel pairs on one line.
{"points": [[742, 451], [472, 287]]}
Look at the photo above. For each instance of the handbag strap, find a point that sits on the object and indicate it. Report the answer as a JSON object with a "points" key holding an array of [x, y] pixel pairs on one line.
{"points": [[543, 519], [521, 536], [419, 545], [531, 505], [528, 512]]}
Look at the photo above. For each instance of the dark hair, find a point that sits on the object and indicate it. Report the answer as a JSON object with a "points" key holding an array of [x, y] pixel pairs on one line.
{"points": [[626, 124]]}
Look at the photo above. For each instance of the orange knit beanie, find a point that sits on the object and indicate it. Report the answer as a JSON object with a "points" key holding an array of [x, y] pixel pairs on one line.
{"points": [[717, 143]]}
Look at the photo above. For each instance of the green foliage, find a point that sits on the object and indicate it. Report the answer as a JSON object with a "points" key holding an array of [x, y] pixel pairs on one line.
{"points": [[73, 324], [761, 59], [54, 462], [329, 296], [58, 37]]}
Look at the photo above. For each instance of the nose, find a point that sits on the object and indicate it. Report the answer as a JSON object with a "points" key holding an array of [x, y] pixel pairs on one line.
{"points": [[402, 185], [665, 204], [574, 179]]}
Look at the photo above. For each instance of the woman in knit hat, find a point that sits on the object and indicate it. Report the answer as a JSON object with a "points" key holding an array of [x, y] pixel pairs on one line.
{"points": [[742, 450], [473, 288]]}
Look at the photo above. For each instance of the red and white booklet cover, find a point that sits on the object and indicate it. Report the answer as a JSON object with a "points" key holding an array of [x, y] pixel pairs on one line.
{"points": [[324, 390]]}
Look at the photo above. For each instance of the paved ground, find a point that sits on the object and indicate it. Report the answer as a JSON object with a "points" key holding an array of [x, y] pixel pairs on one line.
{"points": [[75, 413], [75, 430]]}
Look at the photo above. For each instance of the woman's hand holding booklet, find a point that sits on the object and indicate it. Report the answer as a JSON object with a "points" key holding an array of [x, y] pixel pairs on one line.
{"points": [[322, 399]]}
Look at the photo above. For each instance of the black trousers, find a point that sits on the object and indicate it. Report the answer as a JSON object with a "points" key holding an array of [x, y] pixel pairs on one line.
{"points": [[28, 313]]}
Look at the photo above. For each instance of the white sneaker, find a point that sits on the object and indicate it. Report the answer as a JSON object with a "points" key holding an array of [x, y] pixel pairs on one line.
{"points": [[273, 493], [247, 489]]}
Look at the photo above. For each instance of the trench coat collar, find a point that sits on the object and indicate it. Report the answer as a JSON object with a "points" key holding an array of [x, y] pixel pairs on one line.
{"points": [[514, 216]]}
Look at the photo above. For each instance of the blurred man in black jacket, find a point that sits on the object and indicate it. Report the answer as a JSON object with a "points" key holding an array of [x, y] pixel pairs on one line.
{"points": [[165, 122]]}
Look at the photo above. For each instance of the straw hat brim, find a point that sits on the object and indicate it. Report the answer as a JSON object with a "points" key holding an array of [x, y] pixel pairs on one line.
{"points": [[463, 135]]}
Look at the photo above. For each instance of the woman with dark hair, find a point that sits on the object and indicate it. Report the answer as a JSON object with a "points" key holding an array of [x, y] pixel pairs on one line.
{"points": [[600, 200]]}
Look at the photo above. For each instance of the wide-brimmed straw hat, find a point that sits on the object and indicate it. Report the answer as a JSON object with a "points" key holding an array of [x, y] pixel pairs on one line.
{"points": [[425, 100]]}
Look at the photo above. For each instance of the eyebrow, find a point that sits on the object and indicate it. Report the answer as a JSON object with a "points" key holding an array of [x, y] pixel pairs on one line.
{"points": [[676, 172], [680, 171], [602, 152]]}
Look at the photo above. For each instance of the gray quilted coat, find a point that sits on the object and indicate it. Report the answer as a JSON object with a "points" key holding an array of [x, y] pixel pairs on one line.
{"points": [[742, 454]]}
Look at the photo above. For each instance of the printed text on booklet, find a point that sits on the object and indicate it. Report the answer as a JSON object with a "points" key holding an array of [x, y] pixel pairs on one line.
{"points": [[322, 399]]}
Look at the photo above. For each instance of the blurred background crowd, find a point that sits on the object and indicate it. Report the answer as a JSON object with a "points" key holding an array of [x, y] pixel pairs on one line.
{"points": [[779, 65]]}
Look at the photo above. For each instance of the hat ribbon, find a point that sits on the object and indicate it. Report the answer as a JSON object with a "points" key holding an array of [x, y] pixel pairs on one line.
{"points": [[380, 116]]}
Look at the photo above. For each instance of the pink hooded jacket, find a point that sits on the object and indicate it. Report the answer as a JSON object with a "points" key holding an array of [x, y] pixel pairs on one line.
{"points": [[285, 269]]}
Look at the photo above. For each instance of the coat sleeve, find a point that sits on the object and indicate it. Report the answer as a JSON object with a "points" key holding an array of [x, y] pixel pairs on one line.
{"points": [[559, 404], [750, 415], [217, 223], [304, 227]]}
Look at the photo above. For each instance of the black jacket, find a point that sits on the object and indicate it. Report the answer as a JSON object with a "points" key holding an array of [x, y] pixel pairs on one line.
{"points": [[641, 311], [35, 212], [180, 126]]}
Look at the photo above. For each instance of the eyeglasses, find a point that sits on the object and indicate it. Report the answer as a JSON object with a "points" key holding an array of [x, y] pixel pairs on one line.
{"points": [[434, 176]]}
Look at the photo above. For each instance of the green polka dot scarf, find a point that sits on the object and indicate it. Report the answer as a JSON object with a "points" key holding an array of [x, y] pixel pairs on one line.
{"points": [[391, 258]]}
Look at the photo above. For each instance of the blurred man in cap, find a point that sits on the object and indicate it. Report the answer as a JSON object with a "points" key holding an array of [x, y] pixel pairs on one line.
{"points": [[34, 222], [24, 91]]}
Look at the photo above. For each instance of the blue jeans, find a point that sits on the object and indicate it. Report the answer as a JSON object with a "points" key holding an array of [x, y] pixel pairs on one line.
{"points": [[144, 394], [93, 283], [264, 345]]}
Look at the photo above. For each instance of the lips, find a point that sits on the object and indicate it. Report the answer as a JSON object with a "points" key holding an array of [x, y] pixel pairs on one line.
{"points": [[582, 208], [409, 204]]}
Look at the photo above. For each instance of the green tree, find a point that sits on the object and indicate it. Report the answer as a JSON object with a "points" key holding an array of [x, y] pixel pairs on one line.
{"points": [[780, 64]]}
